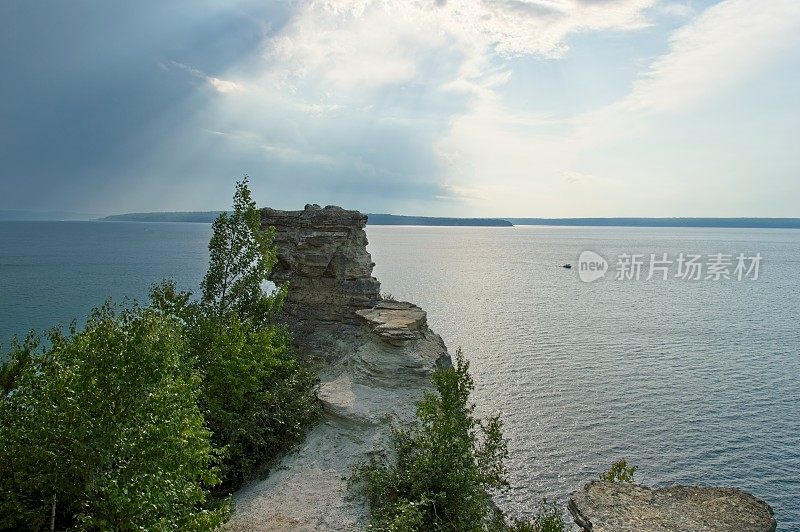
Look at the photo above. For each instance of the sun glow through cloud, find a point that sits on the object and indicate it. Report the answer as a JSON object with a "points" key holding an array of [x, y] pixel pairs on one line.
{"points": [[444, 107]]}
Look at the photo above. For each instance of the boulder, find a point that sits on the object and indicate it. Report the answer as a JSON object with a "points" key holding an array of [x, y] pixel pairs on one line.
{"points": [[603, 506]]}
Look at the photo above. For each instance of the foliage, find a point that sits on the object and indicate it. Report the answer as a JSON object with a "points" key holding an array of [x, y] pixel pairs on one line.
{"points": [[133, 421], [103, 427], [548, 518], [19, 358], [620, 471], [241, 257], [444, 466], [441, 471], [257, 399]]}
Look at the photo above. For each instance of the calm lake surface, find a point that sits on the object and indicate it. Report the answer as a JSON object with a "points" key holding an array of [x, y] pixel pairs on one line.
{"points": [[693, 381]]}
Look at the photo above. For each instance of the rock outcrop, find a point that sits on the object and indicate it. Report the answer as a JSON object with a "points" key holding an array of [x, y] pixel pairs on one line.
{"points": [[396, 322], [322, 252], [622, 507], [378, 358]]}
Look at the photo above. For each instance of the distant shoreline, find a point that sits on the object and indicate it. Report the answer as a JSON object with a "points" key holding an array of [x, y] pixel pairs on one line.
{"points": [[435, 221], [737, 223]]}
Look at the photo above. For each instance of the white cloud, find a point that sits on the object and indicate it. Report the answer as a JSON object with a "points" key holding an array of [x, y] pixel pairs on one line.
{"points": [[540, 164], [677, 10], [363, 64], [318, 109], [365, 44], [725, 44], [222, 86]]}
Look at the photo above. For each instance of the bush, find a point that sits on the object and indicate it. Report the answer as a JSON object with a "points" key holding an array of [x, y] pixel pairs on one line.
{"points": [[102, 430], [548, 518], [444, 467], [620, 471], [257, 399], [130, 423], [441, 471]]}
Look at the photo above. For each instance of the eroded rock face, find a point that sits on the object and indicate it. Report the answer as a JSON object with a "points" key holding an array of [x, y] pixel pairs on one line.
{"points": [[396, 322], [622, 507], [378, 360], [322, 253]]}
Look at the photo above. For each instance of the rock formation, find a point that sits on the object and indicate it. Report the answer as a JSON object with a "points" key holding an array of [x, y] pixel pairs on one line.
{"points": [[622, 507], [323, 254], [378, 359], [396, 322]]}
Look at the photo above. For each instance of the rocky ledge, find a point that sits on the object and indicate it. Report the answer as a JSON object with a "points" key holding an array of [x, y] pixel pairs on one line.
{"points": [[396, 322], [621, 507], [376, 358]]}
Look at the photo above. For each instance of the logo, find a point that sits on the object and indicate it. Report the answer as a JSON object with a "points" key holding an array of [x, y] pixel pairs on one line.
{"points": [[591, 266]]}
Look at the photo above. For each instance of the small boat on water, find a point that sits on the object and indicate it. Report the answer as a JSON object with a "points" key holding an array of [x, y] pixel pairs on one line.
{"points": [[567, 266]]}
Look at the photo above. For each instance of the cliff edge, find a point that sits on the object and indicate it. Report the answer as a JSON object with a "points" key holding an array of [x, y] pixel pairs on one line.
{"points": [[377, 358]]}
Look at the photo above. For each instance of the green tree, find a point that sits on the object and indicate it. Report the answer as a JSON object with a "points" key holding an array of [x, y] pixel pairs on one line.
{"points": [[241, 257], [256, 397], [258, 400], [102, 431], [444, 467], [620, 471]]}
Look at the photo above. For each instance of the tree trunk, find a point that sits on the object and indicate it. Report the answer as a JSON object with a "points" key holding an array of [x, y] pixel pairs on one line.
{"points": [[53, 514]]}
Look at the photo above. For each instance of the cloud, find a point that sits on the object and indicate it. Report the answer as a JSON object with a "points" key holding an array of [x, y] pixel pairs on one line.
{"points": [[405, 93], [675, 9], [222, 86], [366, 44], [550, 164], [726, 43]]}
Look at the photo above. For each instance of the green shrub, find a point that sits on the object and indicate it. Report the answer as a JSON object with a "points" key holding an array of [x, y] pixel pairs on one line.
{"points": [[619, 471], [257, 399], [102, 430], [441, 471], [131, 422], [548, 518], [443, 467]]}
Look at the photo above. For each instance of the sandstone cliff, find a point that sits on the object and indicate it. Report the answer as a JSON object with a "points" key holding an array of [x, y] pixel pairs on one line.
{"points": [[378, 357]]}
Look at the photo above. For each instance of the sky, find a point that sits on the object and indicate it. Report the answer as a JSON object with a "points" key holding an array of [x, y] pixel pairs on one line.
{"points": [[541, 108]]}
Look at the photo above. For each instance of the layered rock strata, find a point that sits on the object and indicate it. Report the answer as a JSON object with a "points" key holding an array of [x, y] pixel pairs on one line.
{"points": [[322, 253], [622, 507], [377, 357]]}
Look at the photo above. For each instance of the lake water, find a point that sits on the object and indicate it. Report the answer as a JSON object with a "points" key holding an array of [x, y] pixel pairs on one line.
{"points": [[693, 381]]}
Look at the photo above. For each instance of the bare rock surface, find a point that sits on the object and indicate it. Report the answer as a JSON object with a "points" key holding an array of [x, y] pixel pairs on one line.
{"points": [[395, 322], [623, 507], [378, 359], [322, 252]]}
